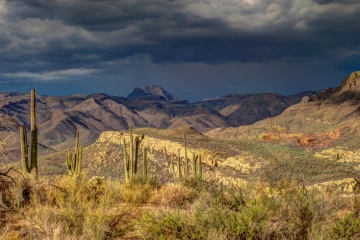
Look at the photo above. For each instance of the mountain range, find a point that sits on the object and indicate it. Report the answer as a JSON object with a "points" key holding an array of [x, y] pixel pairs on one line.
{"points": [[326, 119], [58, 117]]}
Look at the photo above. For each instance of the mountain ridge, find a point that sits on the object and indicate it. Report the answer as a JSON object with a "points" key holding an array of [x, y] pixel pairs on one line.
{"points": [[58, 117], [328, 118]]}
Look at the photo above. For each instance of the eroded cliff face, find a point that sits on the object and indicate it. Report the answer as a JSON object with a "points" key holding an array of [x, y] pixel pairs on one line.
{"points": [[228, 169], [153, 144]]}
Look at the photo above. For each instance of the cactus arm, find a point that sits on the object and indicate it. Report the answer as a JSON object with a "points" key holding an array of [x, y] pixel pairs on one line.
{"points": [[131, 153], [179, 164], [172, 163], [24, 149], [144, 164], [69, 161], [136, 154], [33, 151], [194, 160], [200, 167], [186, 159], [77, 140], [79, 161], [32, 110], [126, 162]]}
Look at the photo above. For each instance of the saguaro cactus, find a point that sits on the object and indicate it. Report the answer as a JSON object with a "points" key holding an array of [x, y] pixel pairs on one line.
{"points": [[30, 162], [144, 164], [186, 159], [131, 162], [73, 162], [194, 160], [172, 164], [179, 164], [126, 163], [131, 150], [200, 174], [138, 140]]}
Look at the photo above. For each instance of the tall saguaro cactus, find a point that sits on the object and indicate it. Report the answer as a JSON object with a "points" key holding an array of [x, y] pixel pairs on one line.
{"points": [[30, 162], [194, 161], [186, 158], [179, 164], [131, 150], [131, 161], [137, 141], [144, 164], [200, 172], [126, 163], [73, 162]]}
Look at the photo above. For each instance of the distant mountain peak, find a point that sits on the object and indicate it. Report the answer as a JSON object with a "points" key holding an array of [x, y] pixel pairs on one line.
{"points": [[152, 90], [351, 83]]}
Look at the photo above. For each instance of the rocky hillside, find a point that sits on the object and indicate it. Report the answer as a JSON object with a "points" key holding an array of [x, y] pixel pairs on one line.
{"points": [[58, 117], [235, 160], [247, 109], [329, 118]]}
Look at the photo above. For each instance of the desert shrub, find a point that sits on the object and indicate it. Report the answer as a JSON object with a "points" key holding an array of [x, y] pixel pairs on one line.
{"points": [[347, 227], [154, 182], [169, 226], [208, 222], [194, 183], [96, 186], [76, 208], [136, 194], [252, 211], [175, 196], [151, 181], [139, 189], [302, 212], [15, 189], [211, 216]]}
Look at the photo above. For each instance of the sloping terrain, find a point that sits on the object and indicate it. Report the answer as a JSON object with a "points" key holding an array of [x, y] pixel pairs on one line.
{"points": [[325, 119], [248, 109], [235, 160], [324, 127], [58, 118]]}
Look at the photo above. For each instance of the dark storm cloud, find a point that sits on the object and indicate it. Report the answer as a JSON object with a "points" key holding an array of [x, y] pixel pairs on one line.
{"points": [[60, 39], [190, 30], [200, 31], [336, 1]]}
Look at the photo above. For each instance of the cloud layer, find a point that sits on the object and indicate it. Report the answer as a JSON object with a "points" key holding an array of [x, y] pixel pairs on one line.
{"points": [[54, 75], [43, 39]]}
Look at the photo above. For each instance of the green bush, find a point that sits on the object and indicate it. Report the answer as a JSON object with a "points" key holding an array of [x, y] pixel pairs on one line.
{"points": [[347, 227]]}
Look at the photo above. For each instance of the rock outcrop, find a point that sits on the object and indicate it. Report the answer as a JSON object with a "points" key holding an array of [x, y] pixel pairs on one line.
{"points": [[152, 90]]}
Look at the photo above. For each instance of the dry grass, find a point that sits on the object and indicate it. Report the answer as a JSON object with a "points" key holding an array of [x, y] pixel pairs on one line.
{"points": [[99, 208], [286, 212], [71, 208]]}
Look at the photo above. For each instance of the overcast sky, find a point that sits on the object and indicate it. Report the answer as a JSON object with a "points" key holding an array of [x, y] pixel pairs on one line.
{"points": [[193, 48]]}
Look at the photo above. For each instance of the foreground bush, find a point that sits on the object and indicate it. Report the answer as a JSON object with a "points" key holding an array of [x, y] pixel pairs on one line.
{"points": [[73, 208], [98, 208], [254, 212]]}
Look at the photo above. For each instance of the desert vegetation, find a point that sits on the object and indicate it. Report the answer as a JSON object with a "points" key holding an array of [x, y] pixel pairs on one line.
{"points": [[279, 200], [68, 207]]}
